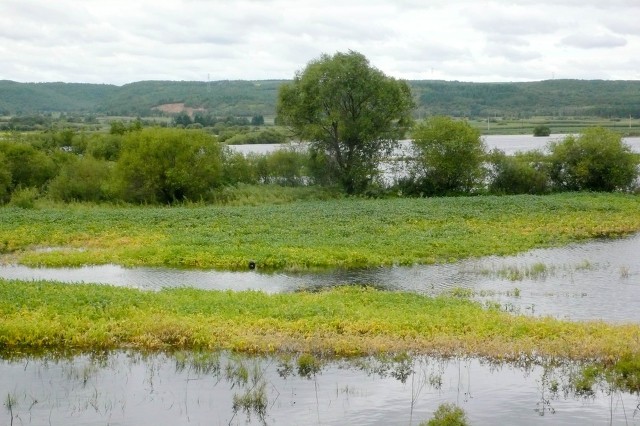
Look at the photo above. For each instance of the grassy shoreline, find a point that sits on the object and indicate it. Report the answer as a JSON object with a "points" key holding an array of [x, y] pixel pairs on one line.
{"points": [[340, 233], [345, 321]]}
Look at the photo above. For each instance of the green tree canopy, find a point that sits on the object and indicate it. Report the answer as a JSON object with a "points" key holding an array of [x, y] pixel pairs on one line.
{"points": [[596, 160], [352, 113], [167, 165], [450, 155]]}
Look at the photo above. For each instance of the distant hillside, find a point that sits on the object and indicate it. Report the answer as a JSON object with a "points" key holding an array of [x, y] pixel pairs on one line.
{"points": [[595, 98], [27, 98]]}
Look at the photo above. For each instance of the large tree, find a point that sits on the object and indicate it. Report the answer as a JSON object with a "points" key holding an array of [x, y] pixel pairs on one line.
{"points": [[351, 113]]}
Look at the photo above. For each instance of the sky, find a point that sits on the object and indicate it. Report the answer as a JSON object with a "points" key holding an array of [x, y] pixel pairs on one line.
{"points": [[119, 42]]}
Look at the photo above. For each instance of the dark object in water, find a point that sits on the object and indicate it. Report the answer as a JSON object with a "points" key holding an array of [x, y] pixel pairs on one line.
{"points": [[252, 264]]}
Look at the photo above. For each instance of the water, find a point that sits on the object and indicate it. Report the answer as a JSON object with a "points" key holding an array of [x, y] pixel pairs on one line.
{"points": [[510, 144], [130, 389], [595, 280]]}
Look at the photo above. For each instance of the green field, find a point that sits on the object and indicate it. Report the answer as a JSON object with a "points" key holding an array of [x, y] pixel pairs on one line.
{"points": [[558, 125], [345, 321], [343, 233]]}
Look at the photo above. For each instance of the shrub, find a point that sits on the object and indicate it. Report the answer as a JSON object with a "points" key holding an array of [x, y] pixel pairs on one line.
{"points": [[449, 157], [519, 174], [5, 179], [24, 198], [168, 165], [85, 179], [541, 130], [596, 160]]}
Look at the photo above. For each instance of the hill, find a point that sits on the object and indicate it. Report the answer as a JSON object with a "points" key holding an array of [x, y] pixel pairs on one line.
{"points": [[596, 98]]}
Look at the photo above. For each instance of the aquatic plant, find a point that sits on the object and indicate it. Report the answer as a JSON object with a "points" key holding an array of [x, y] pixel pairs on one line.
{"points": [[342, 321], [308, 365], [345, 233], [448, 414]]}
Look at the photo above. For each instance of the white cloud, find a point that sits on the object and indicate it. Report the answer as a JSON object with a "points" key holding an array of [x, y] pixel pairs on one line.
{"points": [[123, 41], [593, 41]]}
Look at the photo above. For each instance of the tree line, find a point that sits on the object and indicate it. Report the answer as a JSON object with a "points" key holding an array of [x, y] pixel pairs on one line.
{"points": [[352, 116], [170, 165]]}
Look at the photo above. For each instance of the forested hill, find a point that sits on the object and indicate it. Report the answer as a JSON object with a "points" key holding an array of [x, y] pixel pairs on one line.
{"points": [[246, 98]]}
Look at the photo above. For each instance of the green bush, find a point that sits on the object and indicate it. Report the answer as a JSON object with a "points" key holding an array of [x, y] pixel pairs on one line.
{"points": [[28, 166], [24, 198], [449, 157], [168, 165], [596, 160], [5, 179], [541, 130], [448, 415], [85, 179], [518, 174], [104, 146]]}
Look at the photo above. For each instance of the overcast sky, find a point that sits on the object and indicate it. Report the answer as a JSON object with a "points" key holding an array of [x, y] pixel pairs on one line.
{"points": [[116, 41]]}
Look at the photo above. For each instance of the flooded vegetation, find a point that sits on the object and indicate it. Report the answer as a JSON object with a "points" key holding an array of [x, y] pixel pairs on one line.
{"points": [[574, 282], [473, 326], [225, 388]]}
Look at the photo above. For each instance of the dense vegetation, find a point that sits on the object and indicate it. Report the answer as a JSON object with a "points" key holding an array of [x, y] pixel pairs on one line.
{"points": [[345, 233], [157, 165], [352, 114], [346, 321], [553, 98]]}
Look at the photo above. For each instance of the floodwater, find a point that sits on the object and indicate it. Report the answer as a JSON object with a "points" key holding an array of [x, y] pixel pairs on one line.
{"points": [[222, 389], [510, 144], [595, 280], [592, 280]]}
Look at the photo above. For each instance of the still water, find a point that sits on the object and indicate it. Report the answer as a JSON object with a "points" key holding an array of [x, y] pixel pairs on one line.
{"points": [[595, 280], [510, 144], [222, 389]]}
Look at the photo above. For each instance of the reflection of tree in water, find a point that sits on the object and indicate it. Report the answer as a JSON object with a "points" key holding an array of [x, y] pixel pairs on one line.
{"points": [[255, 389]]}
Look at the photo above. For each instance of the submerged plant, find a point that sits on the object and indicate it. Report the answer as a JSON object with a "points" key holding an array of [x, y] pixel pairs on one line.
{"points": [[448, 414], [308, 365], [254, 401]]}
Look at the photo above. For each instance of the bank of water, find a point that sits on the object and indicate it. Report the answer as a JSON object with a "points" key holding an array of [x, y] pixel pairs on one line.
{"points": [[595, 280], [222, 389]]}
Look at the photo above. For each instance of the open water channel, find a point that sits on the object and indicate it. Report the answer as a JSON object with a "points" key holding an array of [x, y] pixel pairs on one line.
{"points": [[595, 280]]}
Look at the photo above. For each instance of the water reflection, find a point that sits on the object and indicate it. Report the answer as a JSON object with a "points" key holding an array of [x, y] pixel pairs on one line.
{"points": [[593, 280], [221, 388]]}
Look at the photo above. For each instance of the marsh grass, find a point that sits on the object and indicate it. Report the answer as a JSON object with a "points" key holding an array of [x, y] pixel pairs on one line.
{"points": [[335, 233], [536, 271], [344, 321], [448, 414]]}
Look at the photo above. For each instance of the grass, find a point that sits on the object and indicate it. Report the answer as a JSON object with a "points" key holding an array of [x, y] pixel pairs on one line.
{"points": [[558, 125], [343, 233], [345, 321]]}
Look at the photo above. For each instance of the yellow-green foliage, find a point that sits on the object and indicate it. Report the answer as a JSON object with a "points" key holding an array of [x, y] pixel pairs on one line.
{"points": [[314, 234], [343, 321]]}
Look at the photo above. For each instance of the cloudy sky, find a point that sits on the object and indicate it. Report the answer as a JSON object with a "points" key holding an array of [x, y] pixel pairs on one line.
{"points": [[118, 42]]}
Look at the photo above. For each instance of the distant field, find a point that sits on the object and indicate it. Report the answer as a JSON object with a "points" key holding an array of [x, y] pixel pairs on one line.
{"points": [[505, 126]]}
